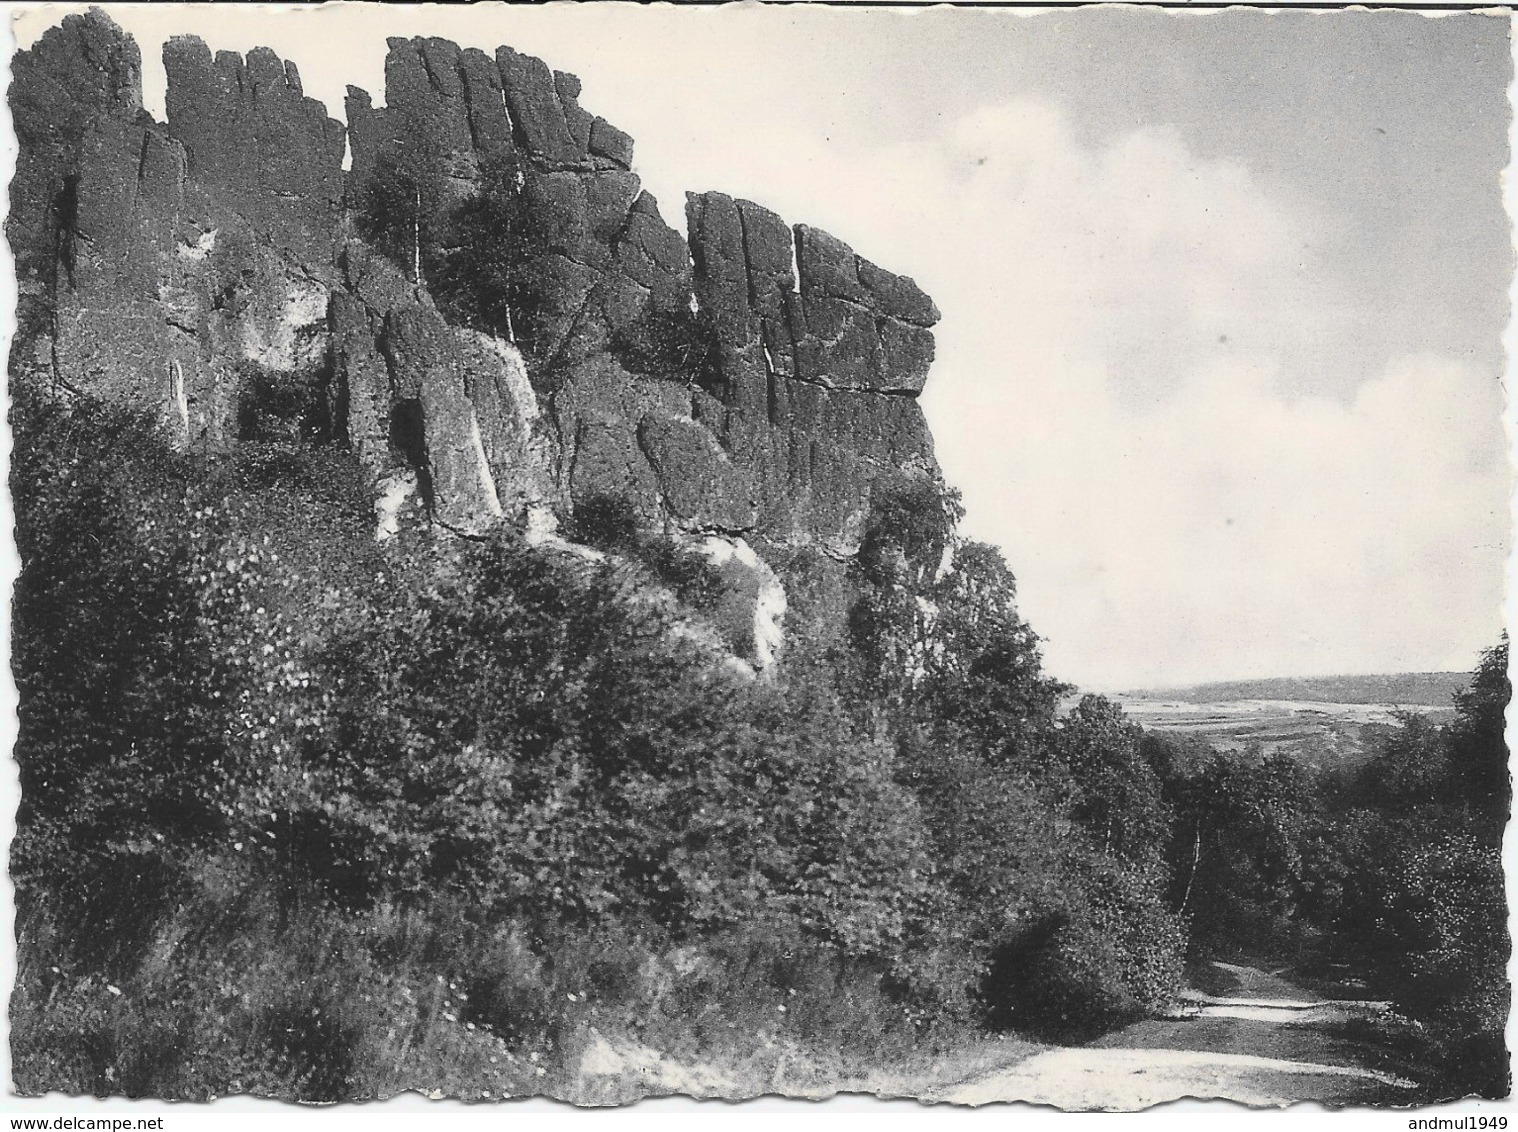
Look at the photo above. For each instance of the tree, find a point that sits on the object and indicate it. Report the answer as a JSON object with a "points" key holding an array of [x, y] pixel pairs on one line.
{"points": [[1412, 768], [892, 621], [1236, 862], [1114, 793], [1478, 752], [478, 273], [983, 671], [470, 252], [397, 211]]}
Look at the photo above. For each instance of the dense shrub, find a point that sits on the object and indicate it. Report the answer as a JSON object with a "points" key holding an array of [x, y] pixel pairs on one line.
{"points": [[1084, 958], [296, 752], [523, 729], [124, 688], [609, 523], [1424, 919], [277, 406]]}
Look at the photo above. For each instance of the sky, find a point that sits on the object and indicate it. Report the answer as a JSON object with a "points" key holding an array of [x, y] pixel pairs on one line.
{"points": [[1220, 368]]}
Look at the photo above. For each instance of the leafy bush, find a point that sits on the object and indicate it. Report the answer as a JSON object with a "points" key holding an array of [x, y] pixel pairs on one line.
{"points": [[609, 523], [1426, 920], [1083, 959], [123, 686], [506, 724], [244, 992]]}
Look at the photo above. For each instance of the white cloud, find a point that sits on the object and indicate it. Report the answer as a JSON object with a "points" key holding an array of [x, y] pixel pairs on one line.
{"points": [[1128, 332], [1117, 414], [1240, 532]]}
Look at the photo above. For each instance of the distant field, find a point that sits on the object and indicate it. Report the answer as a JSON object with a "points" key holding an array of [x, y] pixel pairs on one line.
{"points": [[1404, 689], [1315, 732]]}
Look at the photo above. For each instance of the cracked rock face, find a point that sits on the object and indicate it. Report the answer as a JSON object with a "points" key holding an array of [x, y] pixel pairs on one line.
{"points": [[255, 145], [755, 383]]}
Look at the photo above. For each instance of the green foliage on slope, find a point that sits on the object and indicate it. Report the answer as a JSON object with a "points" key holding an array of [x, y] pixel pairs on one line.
{"points": [[1390, 872], [535, 775], [408, 814], [226, 683]]}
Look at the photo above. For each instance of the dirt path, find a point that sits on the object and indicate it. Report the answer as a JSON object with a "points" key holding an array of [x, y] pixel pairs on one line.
{"points": [[1266, 1042]]}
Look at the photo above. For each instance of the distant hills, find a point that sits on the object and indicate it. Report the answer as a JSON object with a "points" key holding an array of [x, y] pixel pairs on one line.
{"points": [[1410, 689]]}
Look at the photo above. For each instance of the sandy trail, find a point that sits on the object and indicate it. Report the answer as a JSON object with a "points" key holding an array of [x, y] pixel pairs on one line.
{"points": [[1265, 1044]]}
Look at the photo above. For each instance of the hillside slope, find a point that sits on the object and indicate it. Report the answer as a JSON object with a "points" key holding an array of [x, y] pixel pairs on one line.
{"points": [[1410, 689]]}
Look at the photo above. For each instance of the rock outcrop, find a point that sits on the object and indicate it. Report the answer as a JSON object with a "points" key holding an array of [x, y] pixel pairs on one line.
{"points": [[255, 147], [751, 386]]}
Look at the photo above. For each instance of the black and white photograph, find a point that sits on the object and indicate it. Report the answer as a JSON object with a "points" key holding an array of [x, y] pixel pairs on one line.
{"points": [[606, 551]]}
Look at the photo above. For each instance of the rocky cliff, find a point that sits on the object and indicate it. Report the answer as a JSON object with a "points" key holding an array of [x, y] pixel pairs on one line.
{"points": [[485, 306]]}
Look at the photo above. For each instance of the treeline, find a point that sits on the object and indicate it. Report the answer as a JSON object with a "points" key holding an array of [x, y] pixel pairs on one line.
{"points": [[1386, 877], [307, 815]]}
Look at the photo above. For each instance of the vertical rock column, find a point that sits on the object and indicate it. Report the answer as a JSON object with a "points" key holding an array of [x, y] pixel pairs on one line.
{"points": [[251, 274], [599, 261], [256, 146], [448, 410], [96, 201], [77, 75], [820, 366]]}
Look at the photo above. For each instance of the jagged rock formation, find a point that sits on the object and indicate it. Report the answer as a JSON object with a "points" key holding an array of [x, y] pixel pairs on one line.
{"points": [[748, 389]]}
